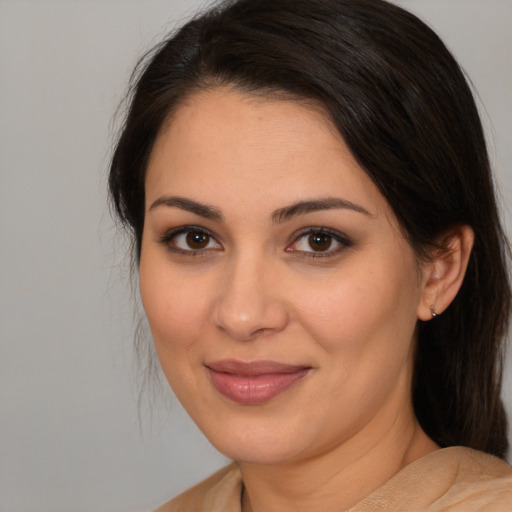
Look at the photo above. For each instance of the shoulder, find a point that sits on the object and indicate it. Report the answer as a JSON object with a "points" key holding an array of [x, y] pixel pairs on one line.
{"points": [[220, 492], [482, 482], [457, 479]]}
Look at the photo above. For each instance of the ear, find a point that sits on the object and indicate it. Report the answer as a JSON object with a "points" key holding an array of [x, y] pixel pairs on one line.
{"points": [[444, 273]]}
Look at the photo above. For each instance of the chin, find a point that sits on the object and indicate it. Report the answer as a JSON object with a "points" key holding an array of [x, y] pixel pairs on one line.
{"points": [[258, 454], [267, 443]]}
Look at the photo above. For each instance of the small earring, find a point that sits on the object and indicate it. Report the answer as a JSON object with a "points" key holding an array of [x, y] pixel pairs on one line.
{"points": [[433, 311]]}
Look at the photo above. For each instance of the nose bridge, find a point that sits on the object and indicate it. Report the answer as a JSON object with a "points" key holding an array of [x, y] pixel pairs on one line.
{"points": [[249, 302]]}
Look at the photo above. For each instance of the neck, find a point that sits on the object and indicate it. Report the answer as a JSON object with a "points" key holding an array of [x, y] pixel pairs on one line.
{"points": [[338, 478]]}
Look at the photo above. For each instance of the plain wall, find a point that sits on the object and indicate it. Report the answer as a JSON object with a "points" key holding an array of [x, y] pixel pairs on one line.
{"points": [[70, 436]]}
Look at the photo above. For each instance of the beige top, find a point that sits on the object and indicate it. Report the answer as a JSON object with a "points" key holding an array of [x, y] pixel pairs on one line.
{"points": [[452, 479]]}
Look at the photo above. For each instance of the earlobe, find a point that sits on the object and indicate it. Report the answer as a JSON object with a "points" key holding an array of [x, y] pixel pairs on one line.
{"points": [[444, 273]]}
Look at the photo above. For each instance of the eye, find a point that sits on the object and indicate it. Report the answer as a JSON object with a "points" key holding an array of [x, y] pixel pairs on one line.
{"points": [[319, 242], [190, 240]]}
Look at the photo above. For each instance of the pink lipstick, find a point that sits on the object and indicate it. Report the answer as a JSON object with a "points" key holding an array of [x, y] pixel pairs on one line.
{"points": [[255, 382]]}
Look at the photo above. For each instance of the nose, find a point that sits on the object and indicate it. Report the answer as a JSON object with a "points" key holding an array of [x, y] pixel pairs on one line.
{"points": [[249, 301]]}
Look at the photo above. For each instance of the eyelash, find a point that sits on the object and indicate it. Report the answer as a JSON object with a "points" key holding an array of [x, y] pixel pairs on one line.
{"points": [[343, 241], [171, 236]]}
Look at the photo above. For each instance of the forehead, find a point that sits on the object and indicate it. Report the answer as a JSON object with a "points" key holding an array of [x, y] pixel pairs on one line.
{"points": [[222, 142]]}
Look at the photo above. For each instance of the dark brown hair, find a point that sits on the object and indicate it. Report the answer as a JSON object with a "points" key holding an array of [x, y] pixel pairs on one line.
{"points": [[403, 106]]}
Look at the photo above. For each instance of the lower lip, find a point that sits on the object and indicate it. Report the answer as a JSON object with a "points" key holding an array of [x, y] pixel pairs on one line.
{"points": [[254, 389]]}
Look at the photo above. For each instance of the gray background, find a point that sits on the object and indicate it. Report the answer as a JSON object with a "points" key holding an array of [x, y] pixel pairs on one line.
{"points": [[71, 437]]}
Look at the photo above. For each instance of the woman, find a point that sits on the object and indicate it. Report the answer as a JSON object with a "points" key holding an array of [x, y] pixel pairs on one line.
{"points": [[321, 259]]}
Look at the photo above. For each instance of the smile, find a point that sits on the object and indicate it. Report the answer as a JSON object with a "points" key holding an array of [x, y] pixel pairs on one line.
{"points": [[253, 383]]}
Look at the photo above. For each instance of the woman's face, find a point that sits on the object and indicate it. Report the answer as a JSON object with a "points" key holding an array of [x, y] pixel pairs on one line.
{"points": [[281, 295]]}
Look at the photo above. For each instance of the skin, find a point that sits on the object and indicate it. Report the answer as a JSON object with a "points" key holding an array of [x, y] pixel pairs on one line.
{"points": [[259, 291]]}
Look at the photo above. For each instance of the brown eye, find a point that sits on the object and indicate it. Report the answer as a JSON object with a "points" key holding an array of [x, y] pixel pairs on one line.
{"points": [[197, 240], [320, 241], [191, 241]]}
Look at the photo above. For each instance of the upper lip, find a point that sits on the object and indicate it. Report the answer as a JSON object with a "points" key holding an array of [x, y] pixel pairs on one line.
{"points": [[253, 368]]}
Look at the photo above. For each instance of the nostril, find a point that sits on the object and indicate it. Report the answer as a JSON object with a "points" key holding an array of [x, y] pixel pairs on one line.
{"points": [[263, 320], [261, 332]]}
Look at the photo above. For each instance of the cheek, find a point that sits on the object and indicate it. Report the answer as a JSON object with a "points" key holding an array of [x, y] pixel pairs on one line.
{"points": [[176, 309], [176, 306], [367, 307]]}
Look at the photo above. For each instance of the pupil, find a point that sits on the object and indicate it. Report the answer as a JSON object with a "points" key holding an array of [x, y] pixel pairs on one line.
{"points": [[197, 240], [320, 242]]}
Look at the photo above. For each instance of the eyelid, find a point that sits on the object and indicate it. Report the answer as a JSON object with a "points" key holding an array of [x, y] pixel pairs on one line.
{"points": [[169, 235], [343, 240], [340, 238]]}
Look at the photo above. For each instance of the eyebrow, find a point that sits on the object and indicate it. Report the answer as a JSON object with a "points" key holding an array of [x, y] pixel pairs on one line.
{"points": [[315, 205], [279, 216], [203, 210]]}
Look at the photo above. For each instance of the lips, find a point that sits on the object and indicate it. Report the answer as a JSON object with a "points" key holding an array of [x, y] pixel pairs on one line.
{"points": [[255, 382]]}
